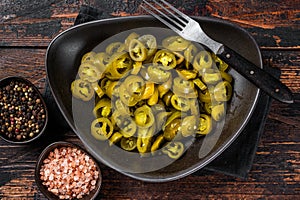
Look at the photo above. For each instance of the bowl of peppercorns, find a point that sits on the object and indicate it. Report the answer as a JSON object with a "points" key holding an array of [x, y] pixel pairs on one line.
{"points": [[23, 112], [66, 171]]}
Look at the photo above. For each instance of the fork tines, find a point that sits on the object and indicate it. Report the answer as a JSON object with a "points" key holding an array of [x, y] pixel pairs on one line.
{"points": [[167, 14]]}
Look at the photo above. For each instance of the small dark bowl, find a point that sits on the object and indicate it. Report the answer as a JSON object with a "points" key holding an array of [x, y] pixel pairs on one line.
{"points": [[92, 195], [5, 82]]}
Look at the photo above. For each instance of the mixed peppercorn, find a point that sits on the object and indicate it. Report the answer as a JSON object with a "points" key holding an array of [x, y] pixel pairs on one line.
{"points": [[22, 112]]}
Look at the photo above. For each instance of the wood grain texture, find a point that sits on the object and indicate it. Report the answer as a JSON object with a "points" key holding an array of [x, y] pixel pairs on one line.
{"points": [[289, 64], [27, 27], [35, 23], [275, 172]]}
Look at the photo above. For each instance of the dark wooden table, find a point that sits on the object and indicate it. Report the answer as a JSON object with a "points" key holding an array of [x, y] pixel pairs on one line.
{"points": [[27, 27]]}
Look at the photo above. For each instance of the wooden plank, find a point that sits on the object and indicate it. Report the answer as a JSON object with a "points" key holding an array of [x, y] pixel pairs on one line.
{"points": [[289, 64], [28, 63], [30, 25], [257, 13], [275, 173], [35, 23]]}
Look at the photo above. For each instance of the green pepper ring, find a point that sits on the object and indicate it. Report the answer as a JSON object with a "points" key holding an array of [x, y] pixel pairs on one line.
{"points": [[82, 90], [99, 125], [129, 143], [165, 58], [223, 91], [174, 149], [205, 124], [137, 50]]}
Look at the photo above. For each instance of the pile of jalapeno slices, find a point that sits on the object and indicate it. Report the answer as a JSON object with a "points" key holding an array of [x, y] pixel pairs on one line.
{"points": [[149, 96]]}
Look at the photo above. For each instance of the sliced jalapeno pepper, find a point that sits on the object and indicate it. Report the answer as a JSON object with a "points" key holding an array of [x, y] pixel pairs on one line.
{"points": [[218, 112], [137, 50], [157, 143], [184, 88], [144, 117], [129, 38], [144, 139], [149, 42], [174, 149], [121, 107], [165, 58], [143, 133], [82, 89], [111, 89], [202, 60], [157, 74], [189, 55], [164, 87], [157, 108], [205, 124], [149, 90], [211, 77], [223, 91], [98, 89], [103, 108], [101, 59], [143, 144], [154, 98], [205, 96], [194, 104], [179, 57], [88, 71], [189, 126], [115, 47], [115, 138], [180, 103], [135, 86], [128, 144], [102, 128], [220, 63], [174, 115], [125, 123], [167, 98], [172, 129], [146, 132], [187, 74], [137, 66], [89, 56], [207, 107], [119, 64], [226, 76], [126, 97], [200, 84], [104, 83], [175, 43], [161, 118]]}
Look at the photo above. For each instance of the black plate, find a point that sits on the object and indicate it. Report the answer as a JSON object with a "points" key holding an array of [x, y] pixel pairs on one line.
{"points": [[62, 62]]}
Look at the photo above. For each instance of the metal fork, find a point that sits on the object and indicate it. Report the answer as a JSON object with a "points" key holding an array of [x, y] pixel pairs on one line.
{"points": [[191, 30]]}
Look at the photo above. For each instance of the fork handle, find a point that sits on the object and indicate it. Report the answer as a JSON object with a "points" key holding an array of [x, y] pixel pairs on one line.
{"points": [[259, 77]]}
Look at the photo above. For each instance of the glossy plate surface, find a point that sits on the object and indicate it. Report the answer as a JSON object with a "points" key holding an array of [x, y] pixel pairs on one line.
{"points": [[62, 62]]}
